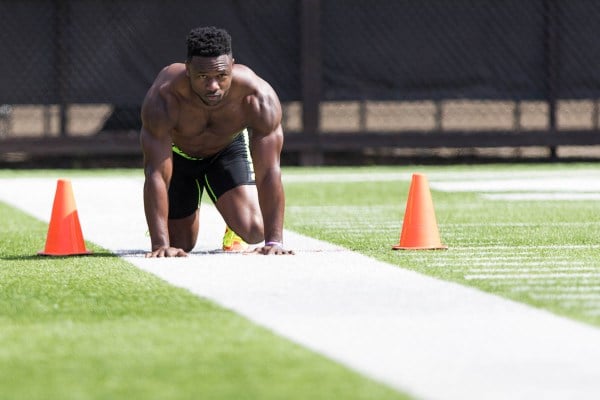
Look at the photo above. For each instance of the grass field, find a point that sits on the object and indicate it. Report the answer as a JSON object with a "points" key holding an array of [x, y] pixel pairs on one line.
{"points": [[542, 252], [96, 327]]}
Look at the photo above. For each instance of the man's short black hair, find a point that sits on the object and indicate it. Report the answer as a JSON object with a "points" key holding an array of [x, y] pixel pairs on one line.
{"points": [[208, 41]]}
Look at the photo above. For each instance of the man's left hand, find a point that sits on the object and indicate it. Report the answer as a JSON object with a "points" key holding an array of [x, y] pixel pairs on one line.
{"points": [[274, 249]]}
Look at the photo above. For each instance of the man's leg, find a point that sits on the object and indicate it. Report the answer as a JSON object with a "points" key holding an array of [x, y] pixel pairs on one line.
{"points": [[241, 212], [183, 232]]}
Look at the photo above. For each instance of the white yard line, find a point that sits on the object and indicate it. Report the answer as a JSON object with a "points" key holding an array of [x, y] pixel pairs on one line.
{"points": [[434, 339], [526, 196], [561, 275]]}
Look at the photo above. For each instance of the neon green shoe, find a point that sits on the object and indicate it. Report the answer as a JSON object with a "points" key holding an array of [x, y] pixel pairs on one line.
{"points": [[232, 242]]}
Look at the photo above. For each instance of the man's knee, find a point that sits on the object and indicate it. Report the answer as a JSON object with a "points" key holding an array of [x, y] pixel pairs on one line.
{"points": [[185, 246], [254, 231]]}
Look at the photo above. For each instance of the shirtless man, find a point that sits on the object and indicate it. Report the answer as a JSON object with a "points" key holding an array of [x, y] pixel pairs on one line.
{"points": [[215, 125]]}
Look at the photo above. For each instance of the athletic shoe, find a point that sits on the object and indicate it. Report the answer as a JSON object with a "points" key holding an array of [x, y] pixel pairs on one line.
{"points": [[232, 242]]}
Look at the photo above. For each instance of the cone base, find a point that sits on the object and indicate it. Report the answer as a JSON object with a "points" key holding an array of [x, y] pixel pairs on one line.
{"points": [[43, 253], [398, 247]]}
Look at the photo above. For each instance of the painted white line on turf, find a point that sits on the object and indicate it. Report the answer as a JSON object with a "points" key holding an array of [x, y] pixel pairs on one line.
{"points": [[542, 196], [527, 249], [581, 185], [533, 276], [547, 185], [523, 270], [556, 289], [436, 339], [566, 296]]}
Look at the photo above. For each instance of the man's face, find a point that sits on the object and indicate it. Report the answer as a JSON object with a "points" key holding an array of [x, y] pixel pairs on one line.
{"points": [[210, 77]]}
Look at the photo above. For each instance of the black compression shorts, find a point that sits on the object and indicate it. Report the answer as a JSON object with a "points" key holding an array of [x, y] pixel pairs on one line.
{"points": [[230, 168]]}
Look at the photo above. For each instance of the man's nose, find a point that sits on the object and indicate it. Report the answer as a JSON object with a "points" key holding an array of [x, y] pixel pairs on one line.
{"points": [[212, 84]]}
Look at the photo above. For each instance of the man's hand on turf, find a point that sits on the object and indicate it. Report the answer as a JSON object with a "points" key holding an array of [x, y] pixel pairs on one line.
{"points": [[272, 250], [166, 252]]}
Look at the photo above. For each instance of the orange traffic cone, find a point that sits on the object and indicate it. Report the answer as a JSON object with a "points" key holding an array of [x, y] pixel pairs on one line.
{"points": [[419, 229], [64, 233]]}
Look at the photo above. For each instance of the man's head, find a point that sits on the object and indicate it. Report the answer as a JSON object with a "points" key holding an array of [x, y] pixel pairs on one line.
{"points": [[209, 64]]}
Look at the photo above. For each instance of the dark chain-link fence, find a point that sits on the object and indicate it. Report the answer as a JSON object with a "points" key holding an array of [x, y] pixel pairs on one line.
{"points": [[82, 67]]}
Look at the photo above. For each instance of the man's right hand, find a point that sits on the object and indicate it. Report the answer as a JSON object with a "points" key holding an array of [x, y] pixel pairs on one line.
{"points": [[166, 252]]}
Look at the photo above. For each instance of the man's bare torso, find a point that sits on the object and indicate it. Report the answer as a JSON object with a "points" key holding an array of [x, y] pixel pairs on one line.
{"points": [[201, 130]]}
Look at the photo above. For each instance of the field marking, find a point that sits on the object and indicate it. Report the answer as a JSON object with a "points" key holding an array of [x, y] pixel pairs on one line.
{"points": [[556, 289], [512, 266], [579, 185], [499, 178], [566, 296], [523, 270], [547, 185], [529, 247], [542, 196], [562, 275], [432, 338]]}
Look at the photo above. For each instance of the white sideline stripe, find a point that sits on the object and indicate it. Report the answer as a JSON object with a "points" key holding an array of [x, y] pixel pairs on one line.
{"points": [[523, 224], [522, 270], [516, 264], [533, 276], [527, 248], [556, 289], [540, 282], [574, 184], [567, 296], [542, 196], [432, 338], [509, 266]]}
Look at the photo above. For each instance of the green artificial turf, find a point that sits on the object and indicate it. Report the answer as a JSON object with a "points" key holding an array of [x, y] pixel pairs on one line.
{"points": [[95, 327], [544, 253]]}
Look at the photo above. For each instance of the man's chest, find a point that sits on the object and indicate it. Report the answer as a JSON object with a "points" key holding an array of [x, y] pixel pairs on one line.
{"points": [[224, 121]]}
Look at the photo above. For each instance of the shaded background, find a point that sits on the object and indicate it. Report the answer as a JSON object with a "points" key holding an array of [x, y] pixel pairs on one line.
{"points": [[353, 76]]}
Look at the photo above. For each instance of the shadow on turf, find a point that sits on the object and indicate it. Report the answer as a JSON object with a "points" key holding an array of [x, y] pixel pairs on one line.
{"points": [[121, 253], [44, 257]]}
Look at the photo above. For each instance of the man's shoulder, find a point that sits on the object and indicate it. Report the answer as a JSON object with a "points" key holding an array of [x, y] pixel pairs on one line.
{"points": [[243, 71], [259, 101], [245, 78], [160, 105], [250, 84], [170, 77], [166, 85], [172, 71]]}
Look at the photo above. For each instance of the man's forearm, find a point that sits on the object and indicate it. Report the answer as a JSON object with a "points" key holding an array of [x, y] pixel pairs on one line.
{"points": [[272, 203], [156, 209]]}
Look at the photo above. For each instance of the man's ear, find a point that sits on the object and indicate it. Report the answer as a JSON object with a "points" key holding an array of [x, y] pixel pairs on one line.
{"points": [[187, 68]]}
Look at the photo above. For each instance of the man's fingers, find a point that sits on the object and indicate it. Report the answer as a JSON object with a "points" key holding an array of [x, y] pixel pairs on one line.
{"points": [[166, 252], [271, 250], [180, 253]]}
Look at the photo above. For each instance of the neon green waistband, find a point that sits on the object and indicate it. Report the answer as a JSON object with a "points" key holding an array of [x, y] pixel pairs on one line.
{"points": [[182, 154], [186, 156]]}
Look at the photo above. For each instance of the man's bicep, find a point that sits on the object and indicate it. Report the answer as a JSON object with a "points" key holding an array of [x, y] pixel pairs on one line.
{"points": [[155, 135], [156, 149], [266, 149]]}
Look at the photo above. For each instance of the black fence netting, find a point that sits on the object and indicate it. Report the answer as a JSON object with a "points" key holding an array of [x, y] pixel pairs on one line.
{"points": [[87, 51], [83, 66], [434, 49]]}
